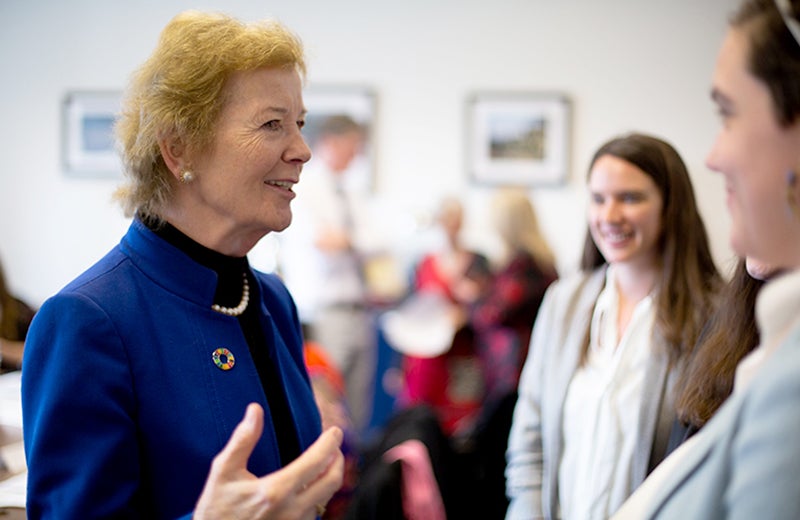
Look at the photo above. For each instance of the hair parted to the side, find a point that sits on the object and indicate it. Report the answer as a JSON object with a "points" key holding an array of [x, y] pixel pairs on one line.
{"points": [[773, 54], [514, 219], [689, 278], [179, 91]]}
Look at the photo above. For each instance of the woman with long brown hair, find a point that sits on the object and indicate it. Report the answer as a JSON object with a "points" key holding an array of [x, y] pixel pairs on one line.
{"points": [[745, 461], [596, 401]]}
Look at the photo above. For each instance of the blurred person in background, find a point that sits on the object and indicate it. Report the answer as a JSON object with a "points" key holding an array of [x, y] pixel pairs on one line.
{"points": [[503, 312], [15, 318], [446, 376], [323, 259]]}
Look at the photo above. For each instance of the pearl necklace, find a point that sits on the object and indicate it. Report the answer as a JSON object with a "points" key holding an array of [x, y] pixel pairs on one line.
{"points": [[239, 309]]}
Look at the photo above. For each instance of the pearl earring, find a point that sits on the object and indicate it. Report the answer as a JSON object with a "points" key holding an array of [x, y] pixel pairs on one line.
{"points": [[187, 176]]}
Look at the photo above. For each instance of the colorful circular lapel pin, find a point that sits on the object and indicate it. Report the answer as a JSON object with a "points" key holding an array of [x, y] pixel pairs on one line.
{"points": [[223, 359]]}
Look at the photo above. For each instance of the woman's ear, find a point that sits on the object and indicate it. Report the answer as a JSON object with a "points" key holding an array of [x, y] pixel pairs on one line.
{"points": [[173, 152]]}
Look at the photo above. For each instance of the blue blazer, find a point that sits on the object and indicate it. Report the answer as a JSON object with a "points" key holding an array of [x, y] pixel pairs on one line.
{"points": [[123, 406]]}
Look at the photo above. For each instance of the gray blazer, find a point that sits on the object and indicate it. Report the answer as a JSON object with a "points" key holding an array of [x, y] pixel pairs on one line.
{"points": [[535, 441], [745, 463]]}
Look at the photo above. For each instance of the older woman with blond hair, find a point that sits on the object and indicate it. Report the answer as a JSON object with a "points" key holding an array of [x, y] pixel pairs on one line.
{"points": [[137, 375]]}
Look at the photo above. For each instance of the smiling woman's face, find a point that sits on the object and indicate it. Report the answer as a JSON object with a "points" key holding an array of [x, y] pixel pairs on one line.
{"points": [[755, 155], [624, 212], [243, 181]]}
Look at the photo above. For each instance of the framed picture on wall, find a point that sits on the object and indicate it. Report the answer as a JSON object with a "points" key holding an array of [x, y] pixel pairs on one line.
{"points": [[359, 103], [88, 119], [518, 138]]}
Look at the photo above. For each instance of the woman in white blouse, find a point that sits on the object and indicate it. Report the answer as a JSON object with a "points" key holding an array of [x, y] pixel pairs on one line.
{"points": [[596, 401]]}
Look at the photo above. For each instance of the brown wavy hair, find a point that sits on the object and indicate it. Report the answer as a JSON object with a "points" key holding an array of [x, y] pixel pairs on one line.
{"points": [[731, 333]]}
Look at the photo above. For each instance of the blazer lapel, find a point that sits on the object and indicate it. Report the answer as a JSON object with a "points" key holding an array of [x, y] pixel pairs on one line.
{"points": [[655, 417], [576, 325], [693, 455], [575, 322]]}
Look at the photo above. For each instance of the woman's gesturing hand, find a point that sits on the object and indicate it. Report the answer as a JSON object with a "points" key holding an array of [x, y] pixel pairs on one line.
{"points": [[298, 491]]}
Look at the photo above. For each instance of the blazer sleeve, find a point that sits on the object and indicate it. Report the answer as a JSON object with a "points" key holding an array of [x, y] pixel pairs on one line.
{"points": [[524, 456], [81, 448]]}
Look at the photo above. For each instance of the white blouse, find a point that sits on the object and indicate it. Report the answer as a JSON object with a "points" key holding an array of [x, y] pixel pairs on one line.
{"points": [[602, 409]]}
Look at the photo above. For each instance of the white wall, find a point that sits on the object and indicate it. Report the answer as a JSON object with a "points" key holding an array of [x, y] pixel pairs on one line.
{"points": [[626, 64]]}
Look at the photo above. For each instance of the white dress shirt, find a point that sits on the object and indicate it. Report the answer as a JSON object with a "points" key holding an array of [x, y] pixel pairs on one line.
{"points": [[602, 409]]}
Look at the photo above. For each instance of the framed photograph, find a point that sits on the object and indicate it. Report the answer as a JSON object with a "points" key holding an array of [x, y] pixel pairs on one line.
{"points": [[88, 139], [518, 139], [359, 103]]}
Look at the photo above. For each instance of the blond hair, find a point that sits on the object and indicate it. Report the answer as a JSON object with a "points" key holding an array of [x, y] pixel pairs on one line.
{"points": [[179, 92], [515, 220]]}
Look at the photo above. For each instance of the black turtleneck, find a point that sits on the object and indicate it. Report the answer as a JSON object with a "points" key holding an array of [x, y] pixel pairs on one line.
{"points": [[229, 271]]}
